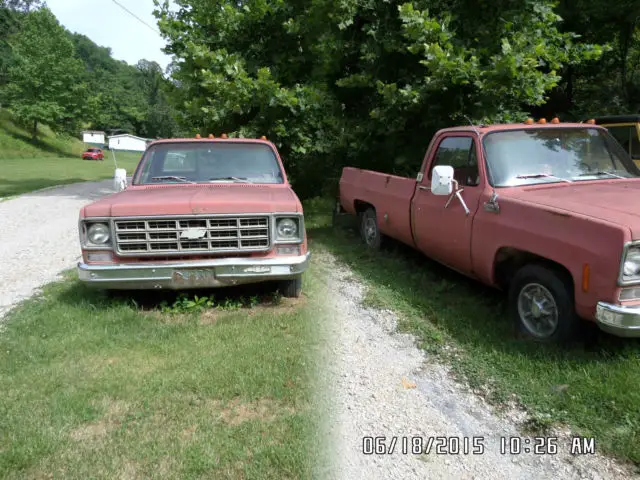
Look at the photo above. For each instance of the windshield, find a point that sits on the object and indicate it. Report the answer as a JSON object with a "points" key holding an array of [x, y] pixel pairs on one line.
{"points": [[93, 150], [551, 155], [210, 162]]}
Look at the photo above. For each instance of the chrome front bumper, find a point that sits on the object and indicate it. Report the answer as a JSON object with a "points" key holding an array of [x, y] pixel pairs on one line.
{"points": [[198, 274], [618, 320]]}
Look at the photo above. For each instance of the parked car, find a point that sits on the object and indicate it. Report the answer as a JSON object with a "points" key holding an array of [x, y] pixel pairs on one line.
{"points": [[546, 212], [625, 129], [199, 213], [93, 154]]}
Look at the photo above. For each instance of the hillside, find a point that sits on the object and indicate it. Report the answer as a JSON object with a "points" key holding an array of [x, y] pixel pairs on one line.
{"points": [[16, 142], [52, 160]]}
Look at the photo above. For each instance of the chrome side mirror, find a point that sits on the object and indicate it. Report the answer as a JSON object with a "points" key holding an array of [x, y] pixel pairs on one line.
{"points": [[442, 180], [120, 179]]}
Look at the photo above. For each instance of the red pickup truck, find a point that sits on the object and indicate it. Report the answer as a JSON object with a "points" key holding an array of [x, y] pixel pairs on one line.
{"points": [[549, 212], [199, 213]]}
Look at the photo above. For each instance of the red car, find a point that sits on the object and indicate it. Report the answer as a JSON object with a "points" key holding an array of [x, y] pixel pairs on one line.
{"points": [[93, 154]]}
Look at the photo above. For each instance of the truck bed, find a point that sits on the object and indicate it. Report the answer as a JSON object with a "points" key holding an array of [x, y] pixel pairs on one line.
{"points": [[390, 195]]}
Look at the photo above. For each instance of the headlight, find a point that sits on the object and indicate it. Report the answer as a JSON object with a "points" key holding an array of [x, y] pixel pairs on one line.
{"points": [[98, 234], [288, 229], [631, 265]]}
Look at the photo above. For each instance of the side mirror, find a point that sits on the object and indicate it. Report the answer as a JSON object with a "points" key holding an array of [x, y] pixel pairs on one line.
{"points": [[442, 180], [120, 179]]}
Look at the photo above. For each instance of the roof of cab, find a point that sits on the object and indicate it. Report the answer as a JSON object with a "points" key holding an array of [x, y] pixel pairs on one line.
{"points": [[212, 140], [483, 129]]}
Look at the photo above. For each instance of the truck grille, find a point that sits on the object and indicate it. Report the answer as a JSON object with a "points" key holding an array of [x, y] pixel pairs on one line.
{"points": [[191, 235]]}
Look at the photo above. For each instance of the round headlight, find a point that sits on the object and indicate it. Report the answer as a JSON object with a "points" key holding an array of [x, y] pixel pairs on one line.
{"points": [[98, 233], [631, 268], [287, 228]]}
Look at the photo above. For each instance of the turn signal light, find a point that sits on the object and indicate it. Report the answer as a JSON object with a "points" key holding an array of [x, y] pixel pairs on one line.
{"points": [[555, 120], [585, 277], [542, 120]]}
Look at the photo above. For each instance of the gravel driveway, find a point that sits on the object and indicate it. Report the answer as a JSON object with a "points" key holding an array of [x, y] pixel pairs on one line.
{"points": [[39, 237], [363, 370]]}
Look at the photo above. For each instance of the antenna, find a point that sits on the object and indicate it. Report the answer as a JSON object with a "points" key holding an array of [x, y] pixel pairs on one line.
{"points": [[472, 125]]}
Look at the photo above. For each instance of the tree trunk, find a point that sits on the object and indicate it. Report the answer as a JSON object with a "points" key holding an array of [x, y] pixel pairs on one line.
{"points": [[34, 132]]}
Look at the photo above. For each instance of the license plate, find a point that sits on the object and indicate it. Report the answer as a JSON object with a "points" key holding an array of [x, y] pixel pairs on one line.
{"points": [[194, 277]]}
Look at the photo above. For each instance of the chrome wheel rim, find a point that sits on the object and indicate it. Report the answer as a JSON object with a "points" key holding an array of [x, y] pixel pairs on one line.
{"points": [[370, 229], [538, 310]]}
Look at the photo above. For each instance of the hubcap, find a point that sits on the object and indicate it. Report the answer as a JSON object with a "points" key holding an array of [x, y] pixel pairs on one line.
{"points": [[370, 230], [538, 310]]}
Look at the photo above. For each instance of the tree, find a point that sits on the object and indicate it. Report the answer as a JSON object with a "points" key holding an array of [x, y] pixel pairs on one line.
{"points": [[12, 13], [362, 82], [43, 75]]}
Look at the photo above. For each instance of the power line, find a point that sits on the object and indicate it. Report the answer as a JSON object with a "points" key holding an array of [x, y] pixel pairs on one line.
{"points": [[135, 16]]}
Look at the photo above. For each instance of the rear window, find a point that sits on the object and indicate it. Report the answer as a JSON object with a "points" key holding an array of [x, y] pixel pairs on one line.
{"points": [[93, 150], [210, 162]]}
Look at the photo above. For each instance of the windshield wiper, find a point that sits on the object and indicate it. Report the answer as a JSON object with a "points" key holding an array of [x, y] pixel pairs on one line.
{"points": [[542, 175], [599, 172], [235, 179], [173, 177]]}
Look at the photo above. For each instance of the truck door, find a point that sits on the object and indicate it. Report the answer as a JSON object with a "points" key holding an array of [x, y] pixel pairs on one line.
{"points": [[444, 234]]}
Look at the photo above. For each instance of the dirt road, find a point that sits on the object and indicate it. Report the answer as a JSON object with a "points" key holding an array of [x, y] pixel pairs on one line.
{"points": [[39, 237], [363, 369]]}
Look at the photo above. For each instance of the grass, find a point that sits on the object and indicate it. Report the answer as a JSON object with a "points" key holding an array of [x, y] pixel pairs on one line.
{"points": [[591, 386], [28, 165], [105, 387]]}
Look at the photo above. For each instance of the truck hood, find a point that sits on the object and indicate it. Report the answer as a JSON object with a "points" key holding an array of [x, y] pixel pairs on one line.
{"points": [[195, 199], [615, 201]]}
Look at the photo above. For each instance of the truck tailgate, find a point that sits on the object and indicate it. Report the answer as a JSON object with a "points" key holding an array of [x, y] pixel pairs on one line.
{"points": [[390, 195]]}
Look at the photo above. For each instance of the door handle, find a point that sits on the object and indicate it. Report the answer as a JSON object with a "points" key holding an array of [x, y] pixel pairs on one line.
{"points": [[422, 187]]}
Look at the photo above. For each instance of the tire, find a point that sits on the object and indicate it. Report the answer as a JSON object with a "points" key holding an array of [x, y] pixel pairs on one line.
{"points": [[541, 304], [291, 288], [369, 229]]}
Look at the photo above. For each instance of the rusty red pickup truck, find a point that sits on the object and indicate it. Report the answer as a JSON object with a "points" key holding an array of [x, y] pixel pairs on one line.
{"points": [[548, 211], [199, 213]]}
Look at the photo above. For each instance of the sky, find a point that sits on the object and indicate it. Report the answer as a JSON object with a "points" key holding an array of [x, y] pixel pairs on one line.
{"points": [[108, 25]]}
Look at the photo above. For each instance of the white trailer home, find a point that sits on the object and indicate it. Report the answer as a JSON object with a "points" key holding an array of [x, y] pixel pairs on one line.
{"points": [[93, 138], [127, 142]]}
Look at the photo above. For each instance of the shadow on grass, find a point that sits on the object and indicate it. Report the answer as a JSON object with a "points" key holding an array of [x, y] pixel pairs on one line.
{"points": [[10, 188], [39, 144], [243, 296], [456, 306]]}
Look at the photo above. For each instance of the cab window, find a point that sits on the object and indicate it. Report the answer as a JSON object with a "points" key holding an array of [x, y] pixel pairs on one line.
{"points": [[460, 153], [623, 134]]}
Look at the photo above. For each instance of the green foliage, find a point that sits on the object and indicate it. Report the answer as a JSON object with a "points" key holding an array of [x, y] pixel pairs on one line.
{"points": [[185, 303], [364, 82], [50, 75], [42, 84]]}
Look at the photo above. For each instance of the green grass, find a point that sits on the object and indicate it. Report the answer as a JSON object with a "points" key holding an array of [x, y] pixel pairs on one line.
{"points": [[110, 387], [27, 165], [591, 386]]}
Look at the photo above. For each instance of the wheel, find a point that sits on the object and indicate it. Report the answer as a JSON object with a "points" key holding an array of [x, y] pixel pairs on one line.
{"points": [[291, 288], [541, 303], [369, 229]]}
